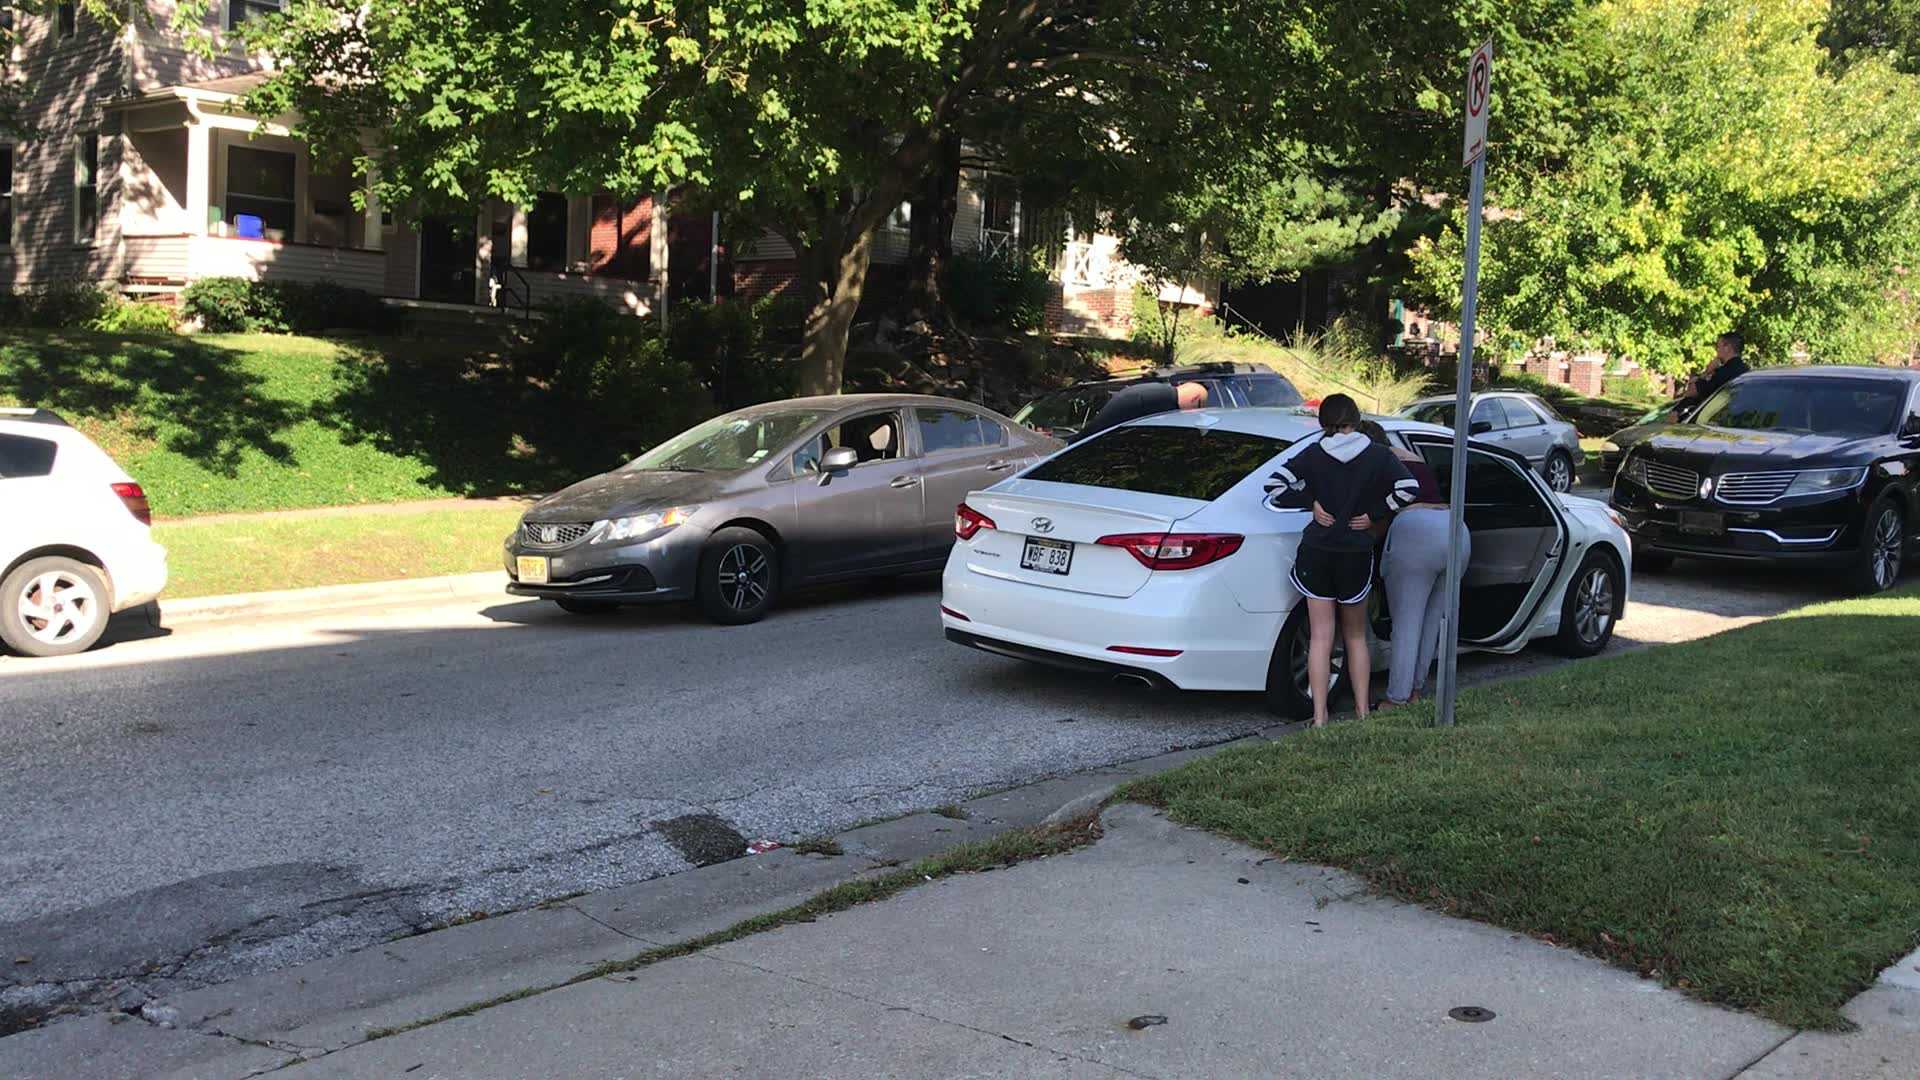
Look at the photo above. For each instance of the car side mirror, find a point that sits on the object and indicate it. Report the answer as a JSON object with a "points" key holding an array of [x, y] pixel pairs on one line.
{"points": [[1479, 427], [837, 462]]}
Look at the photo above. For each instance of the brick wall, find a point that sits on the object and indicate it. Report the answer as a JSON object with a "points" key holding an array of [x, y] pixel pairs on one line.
{"points": [[620, 240], [1584, 375]]}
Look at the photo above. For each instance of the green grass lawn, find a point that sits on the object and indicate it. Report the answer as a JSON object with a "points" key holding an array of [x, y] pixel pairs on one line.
{"points": [[225, 422], [1738, 816], [209, 558]]}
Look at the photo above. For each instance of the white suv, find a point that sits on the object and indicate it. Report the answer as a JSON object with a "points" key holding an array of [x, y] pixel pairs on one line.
{"points": [[75, 542]]}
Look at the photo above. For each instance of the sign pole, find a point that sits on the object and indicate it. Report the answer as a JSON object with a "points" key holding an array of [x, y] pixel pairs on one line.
{"points": [[1479, 97]]}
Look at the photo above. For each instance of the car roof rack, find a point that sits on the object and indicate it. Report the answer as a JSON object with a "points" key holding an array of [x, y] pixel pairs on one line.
{"points": [[32, 416]]}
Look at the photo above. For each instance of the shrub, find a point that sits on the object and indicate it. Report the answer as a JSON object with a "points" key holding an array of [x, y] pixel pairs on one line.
{"points": [[57, 306], [221, 304], [733, 347], [231, 304], [132, 317], [1001, 289]]}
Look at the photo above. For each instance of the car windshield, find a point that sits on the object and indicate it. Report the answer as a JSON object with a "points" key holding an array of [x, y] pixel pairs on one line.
{"points": [[1823, 405], [1066, 410], [728, 443], [1188, 462], [1433, 412]]}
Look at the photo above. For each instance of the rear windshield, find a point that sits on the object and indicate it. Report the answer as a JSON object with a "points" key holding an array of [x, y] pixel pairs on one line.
{"points": [[1269, 390], [1191, 463]]}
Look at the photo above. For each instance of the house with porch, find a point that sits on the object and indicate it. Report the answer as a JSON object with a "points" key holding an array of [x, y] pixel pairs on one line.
{"points": [[144, 174]]}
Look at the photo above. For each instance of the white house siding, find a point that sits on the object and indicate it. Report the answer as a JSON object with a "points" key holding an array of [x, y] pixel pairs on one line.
{"points": [[632, 297]]}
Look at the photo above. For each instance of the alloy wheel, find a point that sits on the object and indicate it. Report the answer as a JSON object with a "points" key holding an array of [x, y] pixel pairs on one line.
{"points": [[57, 607], [1886, 548], [745, 577], [1559, 473], [1593, 604]]}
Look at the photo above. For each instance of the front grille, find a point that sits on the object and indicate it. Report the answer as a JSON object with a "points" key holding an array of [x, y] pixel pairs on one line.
{"points": [[1753, 488], [1671, 481], [552, 534]]}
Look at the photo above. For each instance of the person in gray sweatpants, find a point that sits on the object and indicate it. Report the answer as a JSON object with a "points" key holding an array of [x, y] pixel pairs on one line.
{"points": [[1415, 569]]}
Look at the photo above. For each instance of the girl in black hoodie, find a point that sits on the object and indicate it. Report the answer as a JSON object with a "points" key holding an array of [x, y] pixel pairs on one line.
{"points": [[1357, 482]]}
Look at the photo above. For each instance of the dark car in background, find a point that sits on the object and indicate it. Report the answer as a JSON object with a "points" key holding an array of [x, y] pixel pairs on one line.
{"points": [[1819, 465], [1063, 413], [735, 511], [1614, 449]]}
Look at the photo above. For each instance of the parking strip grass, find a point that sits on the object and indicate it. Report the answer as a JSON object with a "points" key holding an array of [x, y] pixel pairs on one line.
{"points": [[250, 554], [1737, 816]]}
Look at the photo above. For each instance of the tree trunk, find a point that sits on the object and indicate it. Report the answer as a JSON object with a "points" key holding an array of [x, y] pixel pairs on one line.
{"points": [[930, 244], [836, 278]]}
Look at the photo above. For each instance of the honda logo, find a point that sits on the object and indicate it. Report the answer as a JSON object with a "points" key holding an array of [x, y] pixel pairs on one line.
{"points": [[548, 534], [1043, 524]]}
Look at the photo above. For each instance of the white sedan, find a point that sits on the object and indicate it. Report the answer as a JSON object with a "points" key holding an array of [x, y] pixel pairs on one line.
{"points": [[1152, 554]]}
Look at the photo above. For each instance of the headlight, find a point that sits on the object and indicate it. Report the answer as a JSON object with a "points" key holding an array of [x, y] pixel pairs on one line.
{"points": [[1823, 481], [640, 525]]}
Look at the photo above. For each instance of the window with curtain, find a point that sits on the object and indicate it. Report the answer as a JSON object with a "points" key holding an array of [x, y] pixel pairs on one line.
{"points": [[86, 187], [259, 193]]}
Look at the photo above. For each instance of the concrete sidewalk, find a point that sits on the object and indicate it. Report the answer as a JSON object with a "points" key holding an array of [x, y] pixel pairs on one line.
{"points": [[1259, 967]]}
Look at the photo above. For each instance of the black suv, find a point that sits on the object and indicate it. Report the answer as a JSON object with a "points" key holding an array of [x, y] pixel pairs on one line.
{"points": [[1063, 413], [1817, 464]]}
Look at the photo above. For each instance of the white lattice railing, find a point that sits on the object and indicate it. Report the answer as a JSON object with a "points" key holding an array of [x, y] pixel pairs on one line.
{"points": [[1092, 265]]}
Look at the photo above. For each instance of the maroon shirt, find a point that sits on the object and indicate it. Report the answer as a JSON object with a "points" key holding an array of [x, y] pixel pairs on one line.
{"points": [[1429, 483]]}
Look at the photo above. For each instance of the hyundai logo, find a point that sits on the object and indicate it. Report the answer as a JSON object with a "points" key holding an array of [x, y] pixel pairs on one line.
{"points": [[548, 534], [1043, 524]]}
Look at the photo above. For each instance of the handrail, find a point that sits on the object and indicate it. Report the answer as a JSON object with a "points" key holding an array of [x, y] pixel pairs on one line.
{"points": [[522, 295]]}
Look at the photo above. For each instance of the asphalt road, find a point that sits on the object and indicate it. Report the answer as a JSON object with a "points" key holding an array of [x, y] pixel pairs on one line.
{"points": [[194, 806]]}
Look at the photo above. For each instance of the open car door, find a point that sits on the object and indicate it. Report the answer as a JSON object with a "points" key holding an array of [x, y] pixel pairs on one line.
{"points": [[1519, 536]]}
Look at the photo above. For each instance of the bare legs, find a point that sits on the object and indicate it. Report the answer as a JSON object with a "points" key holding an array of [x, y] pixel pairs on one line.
{"points": [[1352, 620]]}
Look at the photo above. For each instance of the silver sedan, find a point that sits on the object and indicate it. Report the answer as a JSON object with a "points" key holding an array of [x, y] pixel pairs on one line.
{"points": [[731, 513], [1518, 421]]}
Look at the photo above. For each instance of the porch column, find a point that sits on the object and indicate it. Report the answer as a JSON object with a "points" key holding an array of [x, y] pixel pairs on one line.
{"points": [[483, 254], [517, 236], [199, 177], [658, 262], [374, 236]]}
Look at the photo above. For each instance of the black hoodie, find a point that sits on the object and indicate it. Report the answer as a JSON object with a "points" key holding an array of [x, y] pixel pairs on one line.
{"points": [[1348, 475]]}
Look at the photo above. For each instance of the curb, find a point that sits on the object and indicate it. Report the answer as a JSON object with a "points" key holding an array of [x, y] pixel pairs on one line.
{"points": [[326, 598]]}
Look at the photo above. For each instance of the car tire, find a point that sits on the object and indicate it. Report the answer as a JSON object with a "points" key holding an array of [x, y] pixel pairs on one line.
{"points": [[1652, 562], [1882, 554], [30, 627], [1592, 606], [587, 607], [739, 577], [1287, 693], [1560, 471]]}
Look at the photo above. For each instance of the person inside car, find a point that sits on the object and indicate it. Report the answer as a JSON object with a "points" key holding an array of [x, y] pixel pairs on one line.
{"points": [[1145, 399], [1352, 482]]}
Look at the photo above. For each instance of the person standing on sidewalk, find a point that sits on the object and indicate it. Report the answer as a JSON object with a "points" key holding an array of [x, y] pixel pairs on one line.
{"points": [[1727, 365], [1352, 481]]}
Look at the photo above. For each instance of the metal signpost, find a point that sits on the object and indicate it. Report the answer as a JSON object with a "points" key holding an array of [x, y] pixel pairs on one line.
{"points": [[1479, 97]]}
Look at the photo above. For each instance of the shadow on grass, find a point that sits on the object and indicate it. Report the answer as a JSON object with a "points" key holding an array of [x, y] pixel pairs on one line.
{"points": [[213, 409]]}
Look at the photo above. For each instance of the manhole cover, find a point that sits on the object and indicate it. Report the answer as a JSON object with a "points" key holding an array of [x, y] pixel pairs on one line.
{"points": [[1472, 1014]]}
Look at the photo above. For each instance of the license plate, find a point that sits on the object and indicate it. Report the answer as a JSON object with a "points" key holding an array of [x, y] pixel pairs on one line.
{"points": [[1692, 521], [530, 569], [1046, 556]]}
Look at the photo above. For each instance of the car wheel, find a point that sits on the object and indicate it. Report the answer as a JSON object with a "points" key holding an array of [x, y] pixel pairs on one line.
{"points": [[53, 607], [739, 577], [1560, 471], [587, 607], [1288, 693], [1883, 549], [1592, 607], [1652, 562]]}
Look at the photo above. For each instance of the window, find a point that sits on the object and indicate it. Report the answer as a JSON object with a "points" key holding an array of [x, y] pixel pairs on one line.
{"points": [[239, 11], [1266, 390], [1518, 414], [1065, 411], [86, 187], [1545, 408], [1489, 484], [952, 429], [1819, 404], [66, 20], [6, 196], [259, 193], [22, 457], [1189, 463], [1002, 212], [547, 233], [1488, 411], [874, 437]]}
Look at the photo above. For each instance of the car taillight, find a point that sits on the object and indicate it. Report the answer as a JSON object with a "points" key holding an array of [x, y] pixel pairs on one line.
{"points": [[135, 501], [967, 521], [1176, 551]]}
